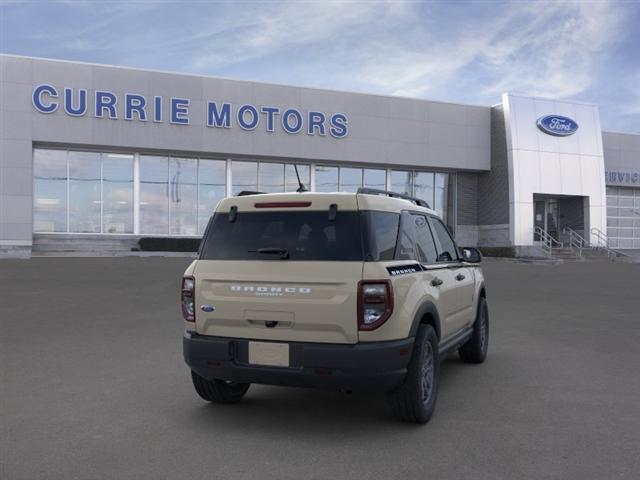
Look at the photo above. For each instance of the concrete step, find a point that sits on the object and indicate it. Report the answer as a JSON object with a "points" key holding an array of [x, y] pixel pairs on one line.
{"points": [[587, 254]]}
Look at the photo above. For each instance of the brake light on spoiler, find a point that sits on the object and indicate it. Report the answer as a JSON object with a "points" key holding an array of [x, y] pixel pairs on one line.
{"points": [[281, 204]]}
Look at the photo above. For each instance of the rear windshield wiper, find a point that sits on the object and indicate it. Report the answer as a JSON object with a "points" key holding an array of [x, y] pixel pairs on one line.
{"points": [[283, 252]]}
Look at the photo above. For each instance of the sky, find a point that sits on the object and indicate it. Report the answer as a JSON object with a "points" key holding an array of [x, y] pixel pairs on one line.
{"points": [[458, 51]]}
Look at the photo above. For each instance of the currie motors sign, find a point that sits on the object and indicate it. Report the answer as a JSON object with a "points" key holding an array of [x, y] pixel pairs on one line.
{"points": [[557, 125], [130, 106]]}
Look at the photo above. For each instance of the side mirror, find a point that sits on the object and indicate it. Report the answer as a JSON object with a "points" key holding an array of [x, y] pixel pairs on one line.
{"points": [[471, 255]]}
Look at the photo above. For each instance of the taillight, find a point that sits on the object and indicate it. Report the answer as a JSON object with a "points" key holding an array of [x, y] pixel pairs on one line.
{"points": [[375, 303], [187, 299]]}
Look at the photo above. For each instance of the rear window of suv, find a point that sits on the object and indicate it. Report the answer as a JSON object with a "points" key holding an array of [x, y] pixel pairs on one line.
{"points": [[352, 236], [309, 235]]}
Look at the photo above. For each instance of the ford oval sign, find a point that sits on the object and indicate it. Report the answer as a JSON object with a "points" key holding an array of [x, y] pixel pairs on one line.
{"points": [[557, 125]]}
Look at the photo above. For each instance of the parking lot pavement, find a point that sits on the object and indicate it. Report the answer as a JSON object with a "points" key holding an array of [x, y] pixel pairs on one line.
{"points": [[94, 386]]}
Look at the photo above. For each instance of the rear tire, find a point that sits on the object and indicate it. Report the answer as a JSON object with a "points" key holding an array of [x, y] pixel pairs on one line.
{"points": [[415, 400], [219, 391], [475, 350]]}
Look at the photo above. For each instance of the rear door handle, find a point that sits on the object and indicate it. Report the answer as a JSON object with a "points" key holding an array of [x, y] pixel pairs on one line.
{"points": [[460, 277], [436, 282]]}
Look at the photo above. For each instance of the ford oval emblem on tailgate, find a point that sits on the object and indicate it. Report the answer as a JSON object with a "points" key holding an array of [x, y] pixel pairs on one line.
{"points": [[207, 308]]}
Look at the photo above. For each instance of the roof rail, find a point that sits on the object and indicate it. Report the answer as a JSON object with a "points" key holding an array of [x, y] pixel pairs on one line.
{"points": [[244, 193], [375, 191]]}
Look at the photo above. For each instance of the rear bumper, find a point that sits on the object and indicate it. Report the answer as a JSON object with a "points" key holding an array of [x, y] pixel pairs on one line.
{"points": [[375, 366]]}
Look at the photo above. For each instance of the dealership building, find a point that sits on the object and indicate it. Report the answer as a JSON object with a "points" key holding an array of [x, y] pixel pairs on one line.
{"points": [[95, 157]]}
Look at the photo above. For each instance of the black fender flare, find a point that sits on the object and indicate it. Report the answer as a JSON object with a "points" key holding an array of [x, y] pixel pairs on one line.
{"points": [[427, 307]]}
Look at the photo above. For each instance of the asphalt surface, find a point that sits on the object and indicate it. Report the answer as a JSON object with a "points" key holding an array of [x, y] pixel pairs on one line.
{"points": [[93, 386]]}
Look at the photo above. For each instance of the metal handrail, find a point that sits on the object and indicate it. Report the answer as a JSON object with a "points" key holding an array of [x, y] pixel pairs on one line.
{"points": [[603, 243], [602, 240], [576, 240], [547, 239]]}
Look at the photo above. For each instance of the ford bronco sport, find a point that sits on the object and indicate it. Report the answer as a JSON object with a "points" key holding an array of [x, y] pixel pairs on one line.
{"points": [[358, 291]]}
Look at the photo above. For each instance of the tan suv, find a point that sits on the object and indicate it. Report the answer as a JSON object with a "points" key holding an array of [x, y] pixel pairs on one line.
{"points": [[347, 291]]}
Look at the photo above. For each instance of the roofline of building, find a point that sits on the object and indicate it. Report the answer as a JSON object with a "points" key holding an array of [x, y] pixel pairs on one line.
{"points": [[548, 99], [621, 132], [333, 90]]}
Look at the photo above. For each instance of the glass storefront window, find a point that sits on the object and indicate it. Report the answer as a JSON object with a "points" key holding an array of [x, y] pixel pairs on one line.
{"points": [[49, 190], [440, 200], [350, 179], [291, 181], [117, 193], [423, 187], [92, 192], [401, 182], [244, 176], [375, 179], [326, 179], [212, 179], [270, 177], [154, 195], [183, 191], [85, 196]]}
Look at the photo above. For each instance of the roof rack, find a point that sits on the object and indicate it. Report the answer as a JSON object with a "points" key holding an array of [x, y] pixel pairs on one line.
{"points": [[245, 193], [375, 191]]}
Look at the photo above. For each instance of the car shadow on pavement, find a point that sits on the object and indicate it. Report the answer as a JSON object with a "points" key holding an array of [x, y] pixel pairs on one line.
{"points": [[302, 411]]}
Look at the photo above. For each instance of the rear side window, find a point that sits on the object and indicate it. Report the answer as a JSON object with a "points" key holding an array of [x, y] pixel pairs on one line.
{"points": [[303, 235], [415, 241], [381, 233], [445, 245], [424, 240]]}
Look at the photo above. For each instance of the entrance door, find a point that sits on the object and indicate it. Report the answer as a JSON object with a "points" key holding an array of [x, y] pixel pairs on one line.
{"points": [[545, 216]]}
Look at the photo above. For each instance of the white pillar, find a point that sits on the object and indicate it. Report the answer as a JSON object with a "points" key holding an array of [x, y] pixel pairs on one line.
{"points": [[229, 179], [312, 177]]}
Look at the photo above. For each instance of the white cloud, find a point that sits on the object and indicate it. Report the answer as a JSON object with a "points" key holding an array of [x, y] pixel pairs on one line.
{"points": [[542, 48], [555, 55], [282, 28]]}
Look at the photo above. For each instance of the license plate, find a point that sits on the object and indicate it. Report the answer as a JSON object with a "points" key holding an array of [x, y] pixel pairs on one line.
{"points": [[269, 353]]}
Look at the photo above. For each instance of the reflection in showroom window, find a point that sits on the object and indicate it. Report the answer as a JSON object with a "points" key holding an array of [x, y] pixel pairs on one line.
{"points": [[117, 193], [440, 194], [271, 177], [375, 179], [244, 176], [85, 202], [183, 191], [211, 189], [50, 190], [154, 195], [423, 186], [402, 182], [291, 181], [326, 179], [350, 179]]}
